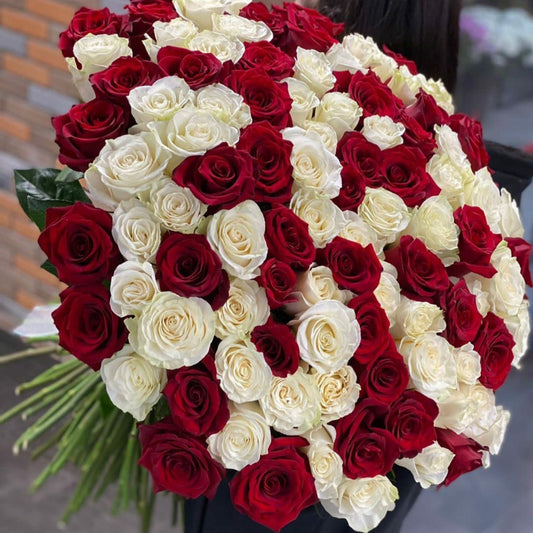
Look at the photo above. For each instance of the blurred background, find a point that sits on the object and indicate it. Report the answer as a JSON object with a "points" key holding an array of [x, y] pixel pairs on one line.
{"points": [[495, 85]]}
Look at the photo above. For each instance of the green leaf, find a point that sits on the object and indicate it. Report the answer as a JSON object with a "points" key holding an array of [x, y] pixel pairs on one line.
{"points": [[106, 405], [49, 268]]}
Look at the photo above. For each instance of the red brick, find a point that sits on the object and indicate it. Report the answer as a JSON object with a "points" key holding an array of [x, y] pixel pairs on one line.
{"points": [[47, 54], [27, 69], [14, 127], [34, 270], [24, 23], [49, 9]]}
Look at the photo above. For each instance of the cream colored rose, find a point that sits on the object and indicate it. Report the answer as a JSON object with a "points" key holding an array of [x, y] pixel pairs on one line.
{"points": [[292, 405], [176, 208], [430, 466], [510, 223], [245, 308], [245, 437], [304, 100], [468, 363], [363, 502], [243, 372], [126, 167], [383, 131], [328, 335], [172, 331], [313, 68], [224, 104], [325, 132], [177, 32], [448, 144], [363, 49], [339, 111], [223, 47], [241, 28], [355, 229], [484, 193], [201, 11], [520, 327], [314, 167], [340, 59], [238, 237], [492, 434], [404, 85], [477, 285], [133, 287], [437, 89], [416, 318], [385, 212], [457, 411], [339, 392], [388, 294], [132, 383]]}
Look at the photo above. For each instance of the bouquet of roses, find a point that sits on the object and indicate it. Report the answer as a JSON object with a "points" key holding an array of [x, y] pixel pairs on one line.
{"points": [[291, 266]]}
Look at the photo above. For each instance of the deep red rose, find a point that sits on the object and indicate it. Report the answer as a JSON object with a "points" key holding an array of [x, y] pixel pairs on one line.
{"points": [[82, 132], [95, 21], [178, 462], [274, 490], [411, 420], [278, 280], [354, 267], [143, 13], [265, 55], [278, 346], [374, 96], [470, 133], [271, 155], [88, 329], [463, 320], [401, 60], [188, 266], [495, 345], [468, 454], [416, 136], [77, 240], [221, 178], [353, 189], [196, 68], [374, 324], [426, 111], [288, 239], [476, 243], [342, 81], [197, 404], [404, 172], [259, 12], [268, 100], [421, 274], [124, 74], [365, 447], [521, 249]]}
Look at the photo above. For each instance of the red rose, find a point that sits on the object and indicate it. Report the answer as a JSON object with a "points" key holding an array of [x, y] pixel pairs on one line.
{"points": [[495, 345], [268, 100], [353, 266], [271, 155], [144, 13], [401, 60], [188, 266], [411, 420], [124, 74], [342, 81], [366, 449], [277, 488], [470, 133], [278, 346], [288, 239], [88, 329], [77, 240], [196, 68], [178, 462], [404, 172], [463, 320], [278, 280], [468, 454], [197, 404], [416, 136], [421, 274], [82, 132], [265, 55], [426, 111], [259, 12], [521, 249], [353, 189], [95, 21], [221, 178], [374, 96]]}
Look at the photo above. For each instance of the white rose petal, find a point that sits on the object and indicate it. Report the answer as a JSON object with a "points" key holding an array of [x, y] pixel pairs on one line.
{"points": [[176, 32], [437, 89], [341, 59], [520, 327], [416, 318], [404, 85], [468, 363], [340, 111], [201, 11], [224, 48], [510, 223], [355, 229], [484, 193], [363, 49], [304, 100], [383, 131], [241, 28], [477, 285], [325, 132], [313, 68], [224, 104], [388, 295]]}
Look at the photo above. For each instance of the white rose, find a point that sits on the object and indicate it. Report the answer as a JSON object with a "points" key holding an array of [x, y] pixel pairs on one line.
{"points": [[339, 392], [313, 68], [493, 433], [416, 318], [437, 89], [363, 49], [430, 466], [478, 287], [484, 193], [314, 167], [431, 364], [292, 405], [245, 308], [340, 111], [241, 28], [448, 144], [125, 167], [385, 212], [323, 217], [341, 59], [325, 132], [510, 223], [355, 229], [172, 331], [201, 11], [468, 363], [176, 32], [132, 383], [224, 48], [245, 437], [328, 335], [383, 131], [304, 100], [457, 411], [176, 208], [363, 502], [243, 372], [133, 287], [384, 66], [224, 104], [388, 295], [404, 85], [238, 237], [519, 326]]}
